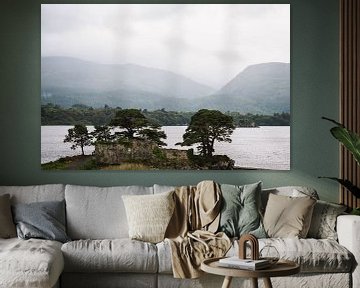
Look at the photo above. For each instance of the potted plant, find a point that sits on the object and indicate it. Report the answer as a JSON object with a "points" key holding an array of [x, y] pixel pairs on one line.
{"points": [[351, 141]]}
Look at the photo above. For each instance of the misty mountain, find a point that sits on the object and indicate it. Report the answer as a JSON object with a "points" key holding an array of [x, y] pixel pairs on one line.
{"points": [[94, 84], [262, 88]]}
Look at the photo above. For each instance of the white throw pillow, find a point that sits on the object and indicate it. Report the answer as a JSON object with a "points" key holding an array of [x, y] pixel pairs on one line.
{"points": [[149, 215]]}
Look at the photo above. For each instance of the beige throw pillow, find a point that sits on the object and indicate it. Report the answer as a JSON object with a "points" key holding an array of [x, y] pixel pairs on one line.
{"points": [[7, 226], [288, 217], [148, 215]]}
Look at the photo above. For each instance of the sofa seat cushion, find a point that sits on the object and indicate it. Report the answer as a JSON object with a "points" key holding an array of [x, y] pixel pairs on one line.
{"points": [[30, 263], [115, 255], [313, 255]]}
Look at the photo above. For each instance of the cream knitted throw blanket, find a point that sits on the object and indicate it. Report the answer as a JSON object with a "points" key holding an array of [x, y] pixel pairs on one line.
{"points": [[191, 231]]}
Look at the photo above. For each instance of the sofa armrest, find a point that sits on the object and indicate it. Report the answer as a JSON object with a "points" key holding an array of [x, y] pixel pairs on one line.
{"points": [[348, 230]]}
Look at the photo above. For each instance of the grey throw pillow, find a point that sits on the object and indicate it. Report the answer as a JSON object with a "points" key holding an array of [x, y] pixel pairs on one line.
{"points": [[7, 226], [323, 222], [44, 220], [240, 213]]}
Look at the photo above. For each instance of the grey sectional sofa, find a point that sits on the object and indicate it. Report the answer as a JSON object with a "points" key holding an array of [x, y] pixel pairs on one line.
{"points": [[101, 254]]}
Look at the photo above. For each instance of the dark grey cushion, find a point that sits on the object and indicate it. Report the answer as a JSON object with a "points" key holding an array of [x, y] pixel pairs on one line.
{"points": [[44, 220]]}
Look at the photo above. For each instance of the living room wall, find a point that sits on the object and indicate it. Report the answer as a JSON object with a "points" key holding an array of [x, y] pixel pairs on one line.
{"points": [[314, 93]]}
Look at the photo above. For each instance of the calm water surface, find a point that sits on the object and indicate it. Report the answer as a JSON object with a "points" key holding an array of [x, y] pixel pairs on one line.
{"points": [[266, 147]]}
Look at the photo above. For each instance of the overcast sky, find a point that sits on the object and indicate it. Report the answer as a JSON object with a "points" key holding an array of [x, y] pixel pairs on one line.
{"points": [[209, 43]]}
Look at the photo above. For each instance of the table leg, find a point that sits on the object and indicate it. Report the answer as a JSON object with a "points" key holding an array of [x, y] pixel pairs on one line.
{"points": [[227, 282], [254, 282], [267, 283]]}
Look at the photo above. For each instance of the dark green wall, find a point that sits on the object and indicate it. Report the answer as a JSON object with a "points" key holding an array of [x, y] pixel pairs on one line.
{"points": [[314, 92]]}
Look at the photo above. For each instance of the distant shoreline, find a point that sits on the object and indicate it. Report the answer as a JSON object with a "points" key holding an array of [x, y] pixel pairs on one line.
{"points": [[80, 114]]}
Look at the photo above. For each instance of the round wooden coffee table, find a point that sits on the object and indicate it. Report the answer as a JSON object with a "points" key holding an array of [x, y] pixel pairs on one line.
{"points": [[281, 268]]}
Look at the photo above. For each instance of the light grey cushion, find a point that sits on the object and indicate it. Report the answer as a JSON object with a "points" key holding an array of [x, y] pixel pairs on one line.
{"points": [[34, 193], [7, 226], [98, 213], [30, 263], [323, 222], [44, 220], [117, 255], [240, 212]]}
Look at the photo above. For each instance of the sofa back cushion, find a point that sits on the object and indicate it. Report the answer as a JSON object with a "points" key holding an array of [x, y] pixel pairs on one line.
{"points": [[98, 212], [35, 193], [163, 188]]}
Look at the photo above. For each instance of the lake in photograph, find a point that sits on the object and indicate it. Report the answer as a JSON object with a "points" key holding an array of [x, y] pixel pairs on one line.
{"points": [[266, 147]]}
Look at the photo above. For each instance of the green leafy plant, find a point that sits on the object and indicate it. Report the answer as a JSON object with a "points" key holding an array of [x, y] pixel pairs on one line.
{"points": [[351, 141]]}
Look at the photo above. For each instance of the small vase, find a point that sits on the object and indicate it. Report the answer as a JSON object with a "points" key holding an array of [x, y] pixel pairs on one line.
{"points": [[270, 253]]}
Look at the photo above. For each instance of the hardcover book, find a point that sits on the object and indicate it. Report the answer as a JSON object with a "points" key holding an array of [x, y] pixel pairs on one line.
{"points": [[249, 264]]}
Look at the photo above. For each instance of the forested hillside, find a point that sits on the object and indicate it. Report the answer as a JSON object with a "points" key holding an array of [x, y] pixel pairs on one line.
{"points": [[81, 114]]}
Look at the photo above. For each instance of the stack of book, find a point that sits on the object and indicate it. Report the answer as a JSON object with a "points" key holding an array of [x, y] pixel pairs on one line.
{"points": [[248, 264]]}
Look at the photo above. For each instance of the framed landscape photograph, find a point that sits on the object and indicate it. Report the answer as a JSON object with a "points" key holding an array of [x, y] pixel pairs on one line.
{"points": [[165, 86]]}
